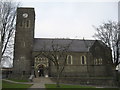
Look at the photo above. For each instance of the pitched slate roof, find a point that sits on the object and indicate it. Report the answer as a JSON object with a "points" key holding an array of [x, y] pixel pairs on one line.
{"points": [[76, 45]]}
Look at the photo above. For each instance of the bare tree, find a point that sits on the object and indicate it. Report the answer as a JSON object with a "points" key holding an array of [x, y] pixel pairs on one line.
{"points": [[7, 22], [109, 34], [57, 54]]}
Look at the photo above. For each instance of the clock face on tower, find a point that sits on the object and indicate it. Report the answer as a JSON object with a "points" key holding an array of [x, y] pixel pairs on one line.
{"points": [[25, 15]]}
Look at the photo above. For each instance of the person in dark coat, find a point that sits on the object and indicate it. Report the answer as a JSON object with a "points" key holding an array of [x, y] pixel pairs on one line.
{"points": [[41, 70]]}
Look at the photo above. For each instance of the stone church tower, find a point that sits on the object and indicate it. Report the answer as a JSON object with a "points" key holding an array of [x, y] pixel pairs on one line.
{"points": [[24, 37]]}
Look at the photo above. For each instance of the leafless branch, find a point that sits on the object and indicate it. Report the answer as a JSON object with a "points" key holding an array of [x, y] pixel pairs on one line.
{"points": [[109, 33], [7, 22]]}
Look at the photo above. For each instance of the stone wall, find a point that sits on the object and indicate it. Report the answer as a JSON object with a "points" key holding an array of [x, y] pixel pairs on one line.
{"points": [[24, 37], [76, 69], [97, 81]]}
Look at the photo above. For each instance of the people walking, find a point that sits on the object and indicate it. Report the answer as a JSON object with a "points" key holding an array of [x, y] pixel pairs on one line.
{"points": [[41, 70]]}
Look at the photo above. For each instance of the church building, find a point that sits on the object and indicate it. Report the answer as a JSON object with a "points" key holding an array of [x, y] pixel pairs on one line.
{"points": [[85, 57]]}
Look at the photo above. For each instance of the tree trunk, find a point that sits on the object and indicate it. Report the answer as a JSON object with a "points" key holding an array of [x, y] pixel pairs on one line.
{"points": [[58, 81], [58, 77], [117, 53]]}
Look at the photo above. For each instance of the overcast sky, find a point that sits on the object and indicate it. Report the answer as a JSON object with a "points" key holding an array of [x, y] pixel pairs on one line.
{"points": [[71, 18]]}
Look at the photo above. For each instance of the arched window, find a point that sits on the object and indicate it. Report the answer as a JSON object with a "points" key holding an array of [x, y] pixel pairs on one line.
{"points": [[100, 61], [24, 24], [69, 60], [27, 24], [95, 61], [83, 60]]}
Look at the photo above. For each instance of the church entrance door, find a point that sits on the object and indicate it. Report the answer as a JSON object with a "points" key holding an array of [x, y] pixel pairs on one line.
{"points": [[41, 70], [41, 66]]}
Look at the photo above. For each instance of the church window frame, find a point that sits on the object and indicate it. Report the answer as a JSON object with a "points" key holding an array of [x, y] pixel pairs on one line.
{"points": [[27, 23], [69, 60], [36, 58], [95, 61], [21, 24], [100, 61], [83, 60], [22, 57], [41, 59]]}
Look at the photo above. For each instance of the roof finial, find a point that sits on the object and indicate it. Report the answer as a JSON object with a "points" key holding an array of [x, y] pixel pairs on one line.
{"points": [[85, 42]]}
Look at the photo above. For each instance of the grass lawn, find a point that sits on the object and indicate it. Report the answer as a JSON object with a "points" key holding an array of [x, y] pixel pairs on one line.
{"points": [[14, 85], [62, 87], [66, 86], [18, 80]]}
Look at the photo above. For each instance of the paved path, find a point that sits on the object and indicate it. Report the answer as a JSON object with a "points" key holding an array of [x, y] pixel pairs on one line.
{"points": [[40, 82], [37, 82]]}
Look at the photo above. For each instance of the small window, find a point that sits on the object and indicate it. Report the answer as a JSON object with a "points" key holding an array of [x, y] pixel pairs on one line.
{"points": [[41, 59], [35, 59], [95, 61], [100, 61], [38, 60], [22, 58], [69, 60], [83, 60], [21, 24], [27, 24], [57, 57], [46, 61]]}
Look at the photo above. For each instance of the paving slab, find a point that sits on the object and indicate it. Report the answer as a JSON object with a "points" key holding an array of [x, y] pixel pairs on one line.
{"points": [[40, 82]]}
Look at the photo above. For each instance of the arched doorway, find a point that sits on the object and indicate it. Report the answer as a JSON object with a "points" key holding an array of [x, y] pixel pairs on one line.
{"points": [[41, 67]]}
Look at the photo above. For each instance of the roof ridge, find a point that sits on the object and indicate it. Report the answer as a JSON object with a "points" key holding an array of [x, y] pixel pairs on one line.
{"points": [[64, 39]]}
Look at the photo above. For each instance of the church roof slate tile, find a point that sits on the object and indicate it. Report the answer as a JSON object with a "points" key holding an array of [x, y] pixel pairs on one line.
{"points": [[76, 45]]}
